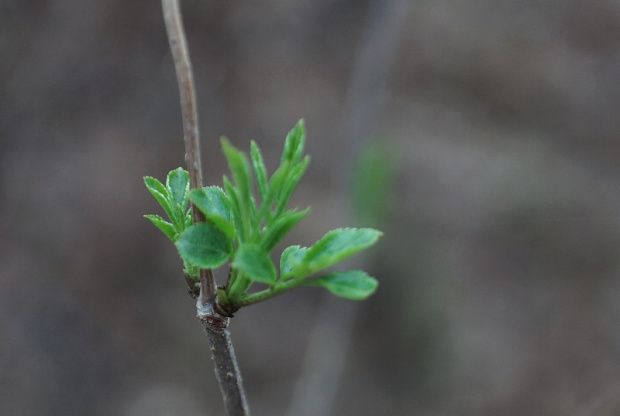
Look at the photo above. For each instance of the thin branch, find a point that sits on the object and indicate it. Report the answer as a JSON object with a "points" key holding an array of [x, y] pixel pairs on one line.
{"points": [[223, 354], [215, 325], [227, 372], [189, 111], [185, 77]]}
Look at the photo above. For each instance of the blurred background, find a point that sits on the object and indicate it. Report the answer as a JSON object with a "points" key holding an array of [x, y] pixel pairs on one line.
{"points": [[497, 171]]}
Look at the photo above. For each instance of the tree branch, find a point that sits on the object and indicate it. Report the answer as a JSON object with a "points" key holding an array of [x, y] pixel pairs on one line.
{"points": [[183, 66], [189, 111], [215, 325]]}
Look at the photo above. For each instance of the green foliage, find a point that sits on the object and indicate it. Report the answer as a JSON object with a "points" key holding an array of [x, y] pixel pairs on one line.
{"points": [[334, 247], [280, 227], [354, 284], [254, 262], [216, 207], [204, 246], [291, 258], [164, 226], [173, 199], [243, 230]]}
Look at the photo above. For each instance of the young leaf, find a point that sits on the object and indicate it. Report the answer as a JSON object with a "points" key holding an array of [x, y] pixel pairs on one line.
{"points": [[354, 284], [238, 164], [255, 263], [301, 141], [231, 192], [281, 227], [163, 225], [275, 185], [292, 179], [259, 169], [334, 247], [177, 184], [253, 211], [294, 144], [161, 194], [240, 168], [290, 259], [203, 245], [216, 206]]}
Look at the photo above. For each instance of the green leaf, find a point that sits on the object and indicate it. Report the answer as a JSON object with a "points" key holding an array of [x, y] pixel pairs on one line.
{"points": [[205, 246], [292, 179], [281, 227], [354, 284], [240, 168], [216, 206], [163, 225], [155, 185], [161, 194], [253, 210], [336, 246], [177, 184], [231, 192], [255, 263], [259, 169], [294, 144], [275, 185], [290, 259]]}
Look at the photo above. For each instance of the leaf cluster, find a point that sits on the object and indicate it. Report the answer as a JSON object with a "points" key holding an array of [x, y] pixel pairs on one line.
{"points": [[173, 198], [245, 221]]}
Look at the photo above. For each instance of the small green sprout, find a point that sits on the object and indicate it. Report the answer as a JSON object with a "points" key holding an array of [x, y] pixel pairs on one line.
{"points": [[242, 232]]}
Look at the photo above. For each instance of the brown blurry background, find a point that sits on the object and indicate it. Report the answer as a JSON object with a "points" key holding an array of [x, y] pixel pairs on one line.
{"points": [[500, 266]]}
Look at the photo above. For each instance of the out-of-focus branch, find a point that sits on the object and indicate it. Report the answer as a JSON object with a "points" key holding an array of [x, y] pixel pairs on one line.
{"points": [[369, 78], [215, 326], [325, 359]]}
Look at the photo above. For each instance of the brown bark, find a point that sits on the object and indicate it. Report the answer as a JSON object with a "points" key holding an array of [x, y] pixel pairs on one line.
{"points": [[215, 326]]}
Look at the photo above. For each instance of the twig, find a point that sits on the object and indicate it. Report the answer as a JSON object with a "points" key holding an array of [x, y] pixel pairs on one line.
{"points": [[223, 354], [189, 111], [215, 326]]}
